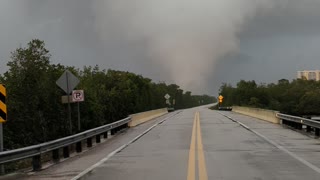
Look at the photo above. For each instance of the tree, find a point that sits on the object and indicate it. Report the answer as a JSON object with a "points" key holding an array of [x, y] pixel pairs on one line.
{"points": [[34, 100], [30, 90], [299, 97]]}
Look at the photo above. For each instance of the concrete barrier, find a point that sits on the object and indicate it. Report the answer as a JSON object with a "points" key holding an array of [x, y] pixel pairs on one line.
{"points": [[140, 118], [263, 114]]}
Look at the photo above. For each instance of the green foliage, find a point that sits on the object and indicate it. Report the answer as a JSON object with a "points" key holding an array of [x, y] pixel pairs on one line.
{"points": [[35, 111], [299, 97]]}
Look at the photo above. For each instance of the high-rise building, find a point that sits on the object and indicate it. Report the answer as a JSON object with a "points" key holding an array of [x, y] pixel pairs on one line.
{"points": [[309, 75]]}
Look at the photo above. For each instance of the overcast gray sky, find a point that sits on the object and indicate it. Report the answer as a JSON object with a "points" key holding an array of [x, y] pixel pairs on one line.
{"points": [[197, 44]]}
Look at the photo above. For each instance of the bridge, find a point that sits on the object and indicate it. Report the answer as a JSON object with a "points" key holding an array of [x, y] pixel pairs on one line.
{"points": [[196, 143]]}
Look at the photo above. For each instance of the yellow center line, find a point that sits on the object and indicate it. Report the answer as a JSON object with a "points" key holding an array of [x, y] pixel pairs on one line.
{"points": [[201, 159], [192, 154], [196, 138]]}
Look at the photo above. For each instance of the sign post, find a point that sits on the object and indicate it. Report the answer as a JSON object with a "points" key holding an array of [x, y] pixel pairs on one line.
{"points": [[3, 118], [167, 97], [78, 96], [68, 82]]}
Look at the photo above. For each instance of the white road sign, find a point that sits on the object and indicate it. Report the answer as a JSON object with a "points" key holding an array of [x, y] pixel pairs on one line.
{"points": [[67, 81], [77, 96], [167, 96]]}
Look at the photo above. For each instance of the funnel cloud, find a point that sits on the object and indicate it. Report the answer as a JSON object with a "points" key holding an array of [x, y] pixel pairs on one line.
{"points": [[183, 38]]}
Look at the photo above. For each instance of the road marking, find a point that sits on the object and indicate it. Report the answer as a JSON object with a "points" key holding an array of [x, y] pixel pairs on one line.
{"points": [[196, 146], [86, 171], [192, 153], [201, 159], [295, 156]]}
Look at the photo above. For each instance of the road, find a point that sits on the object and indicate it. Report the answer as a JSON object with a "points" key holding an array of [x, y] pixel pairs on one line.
{"points": [[201, 144], [195, 144]]}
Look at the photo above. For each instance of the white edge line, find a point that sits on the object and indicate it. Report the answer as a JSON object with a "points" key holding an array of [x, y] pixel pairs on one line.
{"points": [[295, 156], [315, 168], [119, 149]]}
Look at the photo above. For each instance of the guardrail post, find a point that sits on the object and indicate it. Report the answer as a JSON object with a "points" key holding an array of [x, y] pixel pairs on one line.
{"points": [[112, 132], [55, 155], [66, 152], [36, 163], [288, 123], [124, 126], [299, 126], [89, 142], [105, 135], [308, 129], [98, 138], [317, 132], [79, 147], [291, 124]]}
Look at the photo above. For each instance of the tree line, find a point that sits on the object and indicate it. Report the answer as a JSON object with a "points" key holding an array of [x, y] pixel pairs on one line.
{"points": [[298, 97], [35, 111]]}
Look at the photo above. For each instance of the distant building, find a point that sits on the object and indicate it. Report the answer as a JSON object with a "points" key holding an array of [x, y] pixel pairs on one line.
{"points": [[309, 75]]}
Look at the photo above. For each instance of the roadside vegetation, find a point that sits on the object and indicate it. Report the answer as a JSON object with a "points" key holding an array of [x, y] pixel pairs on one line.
{"points": [[35, 111], [298, 97]]}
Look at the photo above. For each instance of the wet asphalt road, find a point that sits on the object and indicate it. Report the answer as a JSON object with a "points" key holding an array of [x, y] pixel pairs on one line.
{"points": [[200, 144]]}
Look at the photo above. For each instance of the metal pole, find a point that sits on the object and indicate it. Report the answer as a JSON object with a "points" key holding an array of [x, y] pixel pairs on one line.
{"points": [[79, 124], [1, 147], [69, 105]]}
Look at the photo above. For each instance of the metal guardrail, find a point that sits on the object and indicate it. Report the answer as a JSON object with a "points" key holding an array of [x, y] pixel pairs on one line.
{"points": [[297, 122], [300, 120], [35, 151]]}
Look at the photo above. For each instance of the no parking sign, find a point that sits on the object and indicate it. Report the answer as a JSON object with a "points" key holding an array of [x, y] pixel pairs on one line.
{"points": [[77, 96]]}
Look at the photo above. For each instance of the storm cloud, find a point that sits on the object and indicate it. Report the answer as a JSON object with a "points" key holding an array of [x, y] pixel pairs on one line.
{"points": [[197, 44]]}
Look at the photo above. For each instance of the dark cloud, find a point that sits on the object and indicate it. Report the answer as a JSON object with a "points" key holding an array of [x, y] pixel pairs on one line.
{"points": [[275, 44], [286, 18], [223, 41]]}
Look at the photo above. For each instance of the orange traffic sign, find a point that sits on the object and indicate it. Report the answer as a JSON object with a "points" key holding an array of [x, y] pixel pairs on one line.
{"points": [[220, 97]]}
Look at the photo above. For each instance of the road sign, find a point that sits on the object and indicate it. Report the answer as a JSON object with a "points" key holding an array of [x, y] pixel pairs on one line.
{"points": [[220, 97], [77, 96], [64, 99], [67, 82], [3, 106], [167, 96]]}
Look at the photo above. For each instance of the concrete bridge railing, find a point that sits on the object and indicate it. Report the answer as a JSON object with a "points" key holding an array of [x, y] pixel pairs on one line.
{"points": [[263, 114], [140, 118]]}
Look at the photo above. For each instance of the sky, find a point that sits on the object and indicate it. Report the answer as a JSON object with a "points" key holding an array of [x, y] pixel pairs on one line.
{"points": [[197, 44]]}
